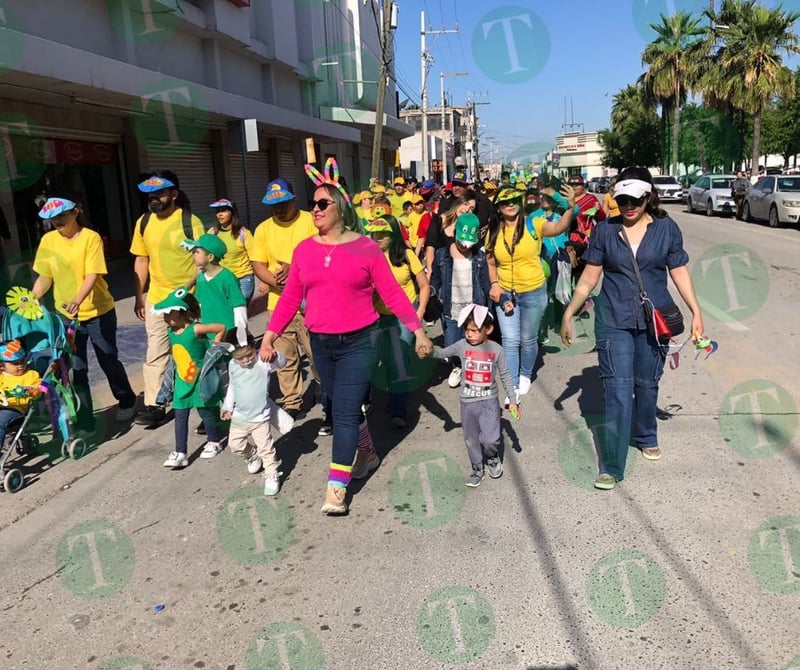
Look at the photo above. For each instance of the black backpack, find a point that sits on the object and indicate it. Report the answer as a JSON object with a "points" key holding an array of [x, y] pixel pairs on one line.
{"points": [[186, 220]]}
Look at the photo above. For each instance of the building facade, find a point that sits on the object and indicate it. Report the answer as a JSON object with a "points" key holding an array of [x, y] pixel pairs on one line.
{"points": [[94, 93], [444, 143], [578, 153]]}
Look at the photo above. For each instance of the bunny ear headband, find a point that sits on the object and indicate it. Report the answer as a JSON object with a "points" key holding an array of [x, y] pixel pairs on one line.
{"points": [[330, 176], [479, 313]]}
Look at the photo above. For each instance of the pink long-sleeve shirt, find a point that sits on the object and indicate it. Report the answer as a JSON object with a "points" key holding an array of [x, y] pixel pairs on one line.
{"points": [[339, 297]]}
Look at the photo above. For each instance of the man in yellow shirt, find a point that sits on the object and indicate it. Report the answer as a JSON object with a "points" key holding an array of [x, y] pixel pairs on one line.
{"points": [[273, 246], [160, 259], [398, 197]]}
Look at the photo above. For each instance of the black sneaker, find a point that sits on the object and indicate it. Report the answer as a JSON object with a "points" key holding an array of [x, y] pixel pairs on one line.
{"points": [[200, 429], [150, 416], [326, 429]]}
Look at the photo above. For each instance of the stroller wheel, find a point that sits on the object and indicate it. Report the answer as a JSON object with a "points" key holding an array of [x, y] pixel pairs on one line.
{"points": [[75, 448], [14, 480]]}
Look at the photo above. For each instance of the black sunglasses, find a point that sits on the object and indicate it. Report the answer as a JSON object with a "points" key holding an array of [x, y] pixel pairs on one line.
{"points": [[321, 204], [629, 200]]}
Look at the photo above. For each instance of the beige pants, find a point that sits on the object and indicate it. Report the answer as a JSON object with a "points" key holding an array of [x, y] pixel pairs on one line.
{"points": [[157, 355], [259, 432], [290, 377]]}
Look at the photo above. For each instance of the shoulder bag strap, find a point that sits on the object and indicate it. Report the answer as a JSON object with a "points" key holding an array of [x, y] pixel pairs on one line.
{"points": [[642, 292]]}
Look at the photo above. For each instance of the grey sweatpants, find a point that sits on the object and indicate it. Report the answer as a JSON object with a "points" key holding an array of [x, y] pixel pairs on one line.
{"points": [[480, 421]]}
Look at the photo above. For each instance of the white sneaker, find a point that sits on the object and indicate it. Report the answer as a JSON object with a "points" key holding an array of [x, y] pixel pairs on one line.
{"points": [[123, 415], [454, 380], [254, 464], [211, 449], [524, 385], [272, 484], [176, 460]]}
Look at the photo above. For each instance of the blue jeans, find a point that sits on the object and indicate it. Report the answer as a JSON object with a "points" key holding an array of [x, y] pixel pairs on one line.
{"points": [[520, 331], [8, 417], [102, 330], [248, 285], [631, 363], [345, 364], [209, 417]]}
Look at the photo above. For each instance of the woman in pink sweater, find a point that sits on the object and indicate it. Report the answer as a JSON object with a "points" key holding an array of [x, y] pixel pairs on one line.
{"points": [[336, 273]]}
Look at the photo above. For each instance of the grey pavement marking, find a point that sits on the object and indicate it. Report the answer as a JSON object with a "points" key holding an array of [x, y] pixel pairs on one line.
{"points": [[774, 554], [626, 588], [758, 418], [426, 489], [253, 528], [285, 646], [96, 559], [455, 625]]}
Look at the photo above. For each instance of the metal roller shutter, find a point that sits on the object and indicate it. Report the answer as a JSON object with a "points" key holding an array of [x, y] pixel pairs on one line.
{"points": [[195, 169], [257, 180], [292, 170]]}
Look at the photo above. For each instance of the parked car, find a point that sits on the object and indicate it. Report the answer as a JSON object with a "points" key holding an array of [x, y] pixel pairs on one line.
{"points": [[775, 199], [669, 188], [711, 194], [598, 185]]}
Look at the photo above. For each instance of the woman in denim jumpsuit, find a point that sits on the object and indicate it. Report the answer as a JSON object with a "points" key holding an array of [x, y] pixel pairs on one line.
{"points": [[631, 359]]}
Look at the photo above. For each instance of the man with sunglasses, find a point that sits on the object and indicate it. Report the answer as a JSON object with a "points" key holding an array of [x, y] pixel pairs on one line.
{"points": [[161, 261], [274, 243], [484, 209], [589, 213]]}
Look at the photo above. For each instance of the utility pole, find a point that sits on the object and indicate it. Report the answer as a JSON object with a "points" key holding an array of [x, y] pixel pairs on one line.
{"points": [[442, 75], [385, 37], [474, 128], [426, 60]]}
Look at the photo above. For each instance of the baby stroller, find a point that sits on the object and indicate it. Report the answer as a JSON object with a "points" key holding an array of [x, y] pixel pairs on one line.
{"points": [[49, 348]]}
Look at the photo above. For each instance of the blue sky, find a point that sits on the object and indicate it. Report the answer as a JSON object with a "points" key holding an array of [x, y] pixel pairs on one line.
{"points": [[526, 57]]}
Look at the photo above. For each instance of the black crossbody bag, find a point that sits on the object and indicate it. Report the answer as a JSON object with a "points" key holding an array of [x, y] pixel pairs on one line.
{"points": [[663, 323]]}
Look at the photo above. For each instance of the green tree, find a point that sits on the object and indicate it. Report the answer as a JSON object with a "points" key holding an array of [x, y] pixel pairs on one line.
{"points": [[673, 59], [750, 41], [780, 125], [704, 133], [633, 138]]}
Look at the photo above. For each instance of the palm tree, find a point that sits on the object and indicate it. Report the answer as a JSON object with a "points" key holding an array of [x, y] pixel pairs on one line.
{"points": [[673, 59], [750, 70]]}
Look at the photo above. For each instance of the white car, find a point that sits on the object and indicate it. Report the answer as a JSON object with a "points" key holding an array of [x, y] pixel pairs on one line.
{"points": [[668, 188], [711, 194], [775, 199]]}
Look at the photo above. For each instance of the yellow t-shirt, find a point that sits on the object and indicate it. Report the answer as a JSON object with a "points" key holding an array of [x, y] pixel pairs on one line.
{"points": [[274, 243], [397, 203], [610, 205], [240, 249], [171, 265], [67, 262], [404, 275], [525, 273], [16, 392]]}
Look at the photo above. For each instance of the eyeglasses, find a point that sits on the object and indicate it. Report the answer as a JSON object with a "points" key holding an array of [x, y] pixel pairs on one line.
{"points": [[575, 183], [508, 203], [629, 201], [321, 204]]}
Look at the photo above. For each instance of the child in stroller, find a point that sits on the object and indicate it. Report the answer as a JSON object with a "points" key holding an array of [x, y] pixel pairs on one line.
{"points": [[35, 357]]}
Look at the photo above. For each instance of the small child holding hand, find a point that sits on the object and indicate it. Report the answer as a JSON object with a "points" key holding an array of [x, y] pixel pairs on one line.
{"points": [[248, 407], [482, 361]]}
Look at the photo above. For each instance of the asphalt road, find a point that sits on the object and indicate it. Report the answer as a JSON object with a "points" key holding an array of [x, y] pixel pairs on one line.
{"points": [[113, 561]]}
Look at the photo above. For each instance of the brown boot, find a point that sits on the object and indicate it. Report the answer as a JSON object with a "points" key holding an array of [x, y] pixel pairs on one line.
{"points": [[366, 462], [335, 500]]}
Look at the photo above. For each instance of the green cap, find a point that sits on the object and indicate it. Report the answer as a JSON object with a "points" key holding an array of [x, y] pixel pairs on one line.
{"points": [[467, 226], [207, 242]]}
